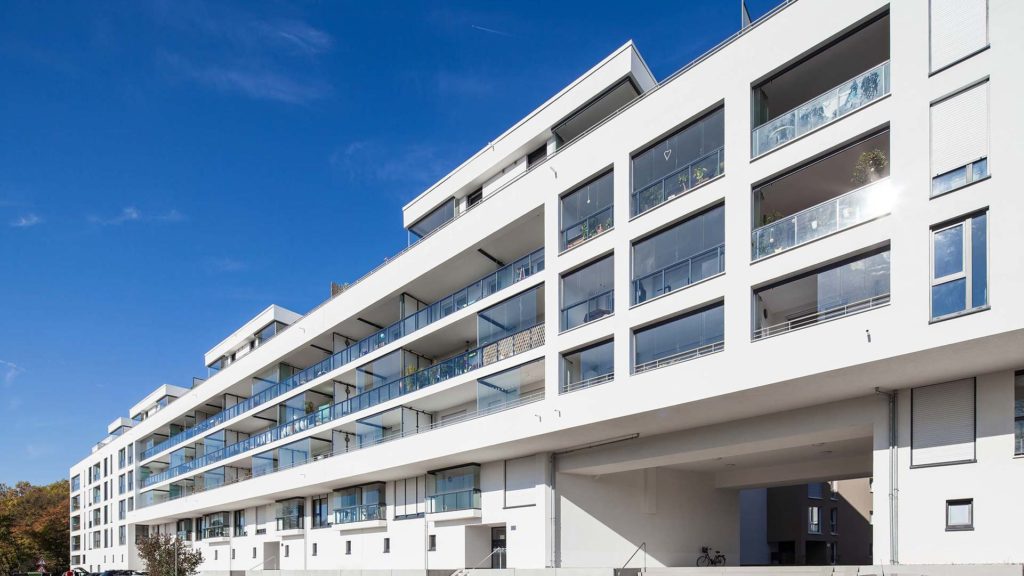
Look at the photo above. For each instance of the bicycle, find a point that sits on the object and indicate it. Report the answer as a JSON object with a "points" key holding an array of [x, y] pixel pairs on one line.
{"points": [[705, 558]]}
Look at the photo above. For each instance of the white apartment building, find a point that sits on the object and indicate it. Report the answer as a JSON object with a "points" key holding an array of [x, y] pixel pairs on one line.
{"points": [[566, 364]]}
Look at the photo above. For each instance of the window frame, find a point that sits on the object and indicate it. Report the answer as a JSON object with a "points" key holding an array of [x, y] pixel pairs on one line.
{"points": [[563, 245], [966, 270], [969, 502], [814, 519]]}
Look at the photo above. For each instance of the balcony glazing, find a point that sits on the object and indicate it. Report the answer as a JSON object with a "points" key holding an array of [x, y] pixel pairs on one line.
{"points": [[490, 284]]}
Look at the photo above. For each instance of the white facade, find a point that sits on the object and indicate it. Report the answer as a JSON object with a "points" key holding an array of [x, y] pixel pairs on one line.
{"points": [[872, 242]]}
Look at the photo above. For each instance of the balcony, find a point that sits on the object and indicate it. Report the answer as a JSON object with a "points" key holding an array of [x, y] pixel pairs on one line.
{"points": [[829, 195], [505, 277], [679, 339], [454, 501], [677, 257], [586, 212], [679, 182], [587, 367], [360, 517], [855, 285], [587, 294], [837, 80], [458, 365]]}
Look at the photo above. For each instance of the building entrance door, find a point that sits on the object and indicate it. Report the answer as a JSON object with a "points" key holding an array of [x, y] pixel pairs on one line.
{"points": [[498, 549]]}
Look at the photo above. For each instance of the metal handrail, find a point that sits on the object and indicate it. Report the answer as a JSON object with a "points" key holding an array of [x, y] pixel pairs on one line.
{"points": [[584, 236], [587, 301], [594, 381], [684, 356], [833, 313], [643, 546]]}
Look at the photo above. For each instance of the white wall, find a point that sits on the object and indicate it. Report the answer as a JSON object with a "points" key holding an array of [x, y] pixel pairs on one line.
{"points": [[603, 519]]}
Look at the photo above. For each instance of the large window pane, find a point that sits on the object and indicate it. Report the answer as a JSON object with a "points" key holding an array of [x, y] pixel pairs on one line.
{"points": [[434, 219], [587, 211], [949, 251], [680, 336], [949, 297], [979, 261], [509, 317], [679, 256], [588, 366], [586, 293]]}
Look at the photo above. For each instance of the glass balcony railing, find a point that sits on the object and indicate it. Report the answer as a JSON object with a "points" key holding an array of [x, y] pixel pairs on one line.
{"points": [[215, 532], [452, 501], [588, 310], [290, 523], [243, 475], [825, 109], [456, 366], [679, 182], [587, 228], [680, 275], [361, 513], [508, 275], [839, 213]]}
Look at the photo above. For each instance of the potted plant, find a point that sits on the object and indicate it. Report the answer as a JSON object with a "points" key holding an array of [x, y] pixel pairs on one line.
{"points": [[699, 174], [869, 168], [309, 407]]}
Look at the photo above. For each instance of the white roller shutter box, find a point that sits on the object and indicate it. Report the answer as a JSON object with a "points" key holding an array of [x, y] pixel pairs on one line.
{"points": [[943, 423], [959, 28], [522, 476], [960, 129]]}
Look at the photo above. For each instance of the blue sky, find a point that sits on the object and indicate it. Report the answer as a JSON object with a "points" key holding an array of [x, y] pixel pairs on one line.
{"points": [[168, 169]]}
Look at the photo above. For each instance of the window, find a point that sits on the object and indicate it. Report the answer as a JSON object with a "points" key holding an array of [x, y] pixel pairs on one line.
{"points": [[814, 490], [240, 523], [475, 197], [679, 339], [387, 545], [959, 276], [959, 29], [121, 510], [131, 481], [287, 550], [121, 458], [76, 482], [537, 155], [586, 211], [432, 542], [587, 294], [588, 367], [321, 514], [1018, 414], [833, 520], [254, 552], [671, 167], [215, 554], [959, 139], [834, 548], [120, 484], [290, 514], [959, 515], [814, 519], [432, 221], [232, 553], [679, 256], [942, 423], [455, 489], [122, 535], [510, 317], [314, 549], [348, 547]]}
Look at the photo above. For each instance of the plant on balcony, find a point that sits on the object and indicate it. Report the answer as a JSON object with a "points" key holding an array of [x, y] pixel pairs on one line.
{"points": [[767, 219], [870, 167], [869, 86], [310, 407], [700, 173]]}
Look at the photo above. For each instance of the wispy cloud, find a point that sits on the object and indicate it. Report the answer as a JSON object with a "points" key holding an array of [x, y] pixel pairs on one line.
{"points": [[412, 164], [492, 31], [38, 451], [224, 265], [260, 58], [254, 82], [133, 214], [9, 371], [128, 214], [26, 221]]}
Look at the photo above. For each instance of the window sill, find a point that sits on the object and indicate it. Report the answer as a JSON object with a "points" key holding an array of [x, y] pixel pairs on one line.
{"points": [[960, 314], [964, 529]]}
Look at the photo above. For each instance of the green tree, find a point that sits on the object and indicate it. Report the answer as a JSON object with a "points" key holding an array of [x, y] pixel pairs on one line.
{"points": [[34, 525], [159, 551]]}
